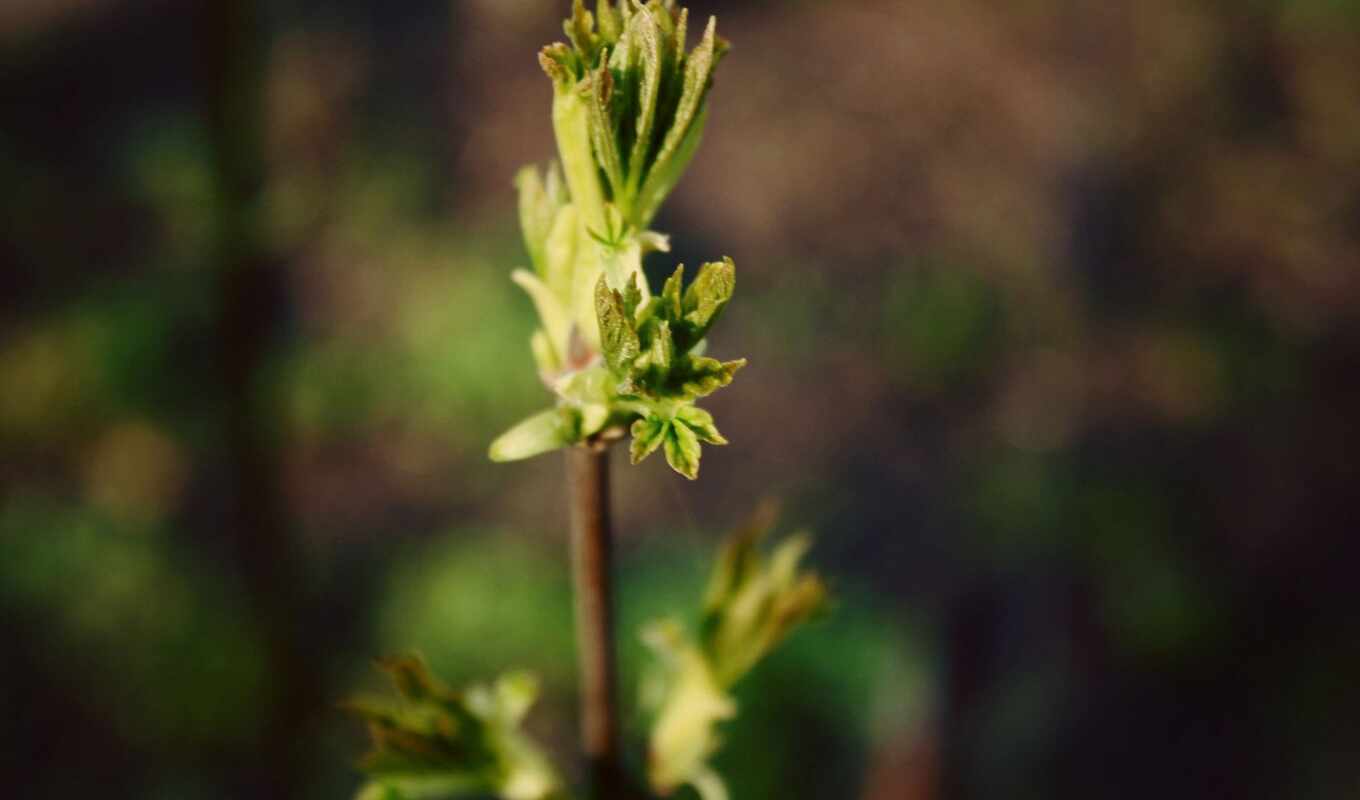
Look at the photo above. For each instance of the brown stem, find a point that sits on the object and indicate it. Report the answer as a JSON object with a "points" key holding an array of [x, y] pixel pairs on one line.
{"points": [[588, 485]]}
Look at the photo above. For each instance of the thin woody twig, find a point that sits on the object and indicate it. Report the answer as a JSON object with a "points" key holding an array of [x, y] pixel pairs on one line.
{"points": [[588, 494]]}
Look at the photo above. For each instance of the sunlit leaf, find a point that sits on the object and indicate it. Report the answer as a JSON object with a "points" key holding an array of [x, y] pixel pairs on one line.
{"points": [[540, 433]]}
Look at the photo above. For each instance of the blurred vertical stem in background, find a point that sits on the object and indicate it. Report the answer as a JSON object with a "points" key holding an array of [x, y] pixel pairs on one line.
{"points": [[232, 71], [591, 547]]}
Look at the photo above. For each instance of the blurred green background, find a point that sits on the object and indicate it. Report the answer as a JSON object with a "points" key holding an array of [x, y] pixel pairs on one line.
{"points": [[1052, 315]]}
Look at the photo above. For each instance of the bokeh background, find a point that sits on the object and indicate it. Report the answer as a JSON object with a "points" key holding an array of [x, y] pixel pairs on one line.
{"points": [[1053, 315]]}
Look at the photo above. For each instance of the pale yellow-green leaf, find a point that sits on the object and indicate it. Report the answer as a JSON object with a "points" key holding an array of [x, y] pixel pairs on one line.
{"points": [[553, 316], [545, 355], [559, 253], [708, 784], [571, 124], [535, 217], [684, 733], [540, 433], [593, 418]]}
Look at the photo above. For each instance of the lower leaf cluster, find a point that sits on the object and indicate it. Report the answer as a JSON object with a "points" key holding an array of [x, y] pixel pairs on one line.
{"points": [[647, 377], [433, 742], [754, 601]]}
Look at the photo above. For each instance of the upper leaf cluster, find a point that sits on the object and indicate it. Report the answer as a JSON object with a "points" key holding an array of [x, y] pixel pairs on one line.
{"points": [[646, 97]]}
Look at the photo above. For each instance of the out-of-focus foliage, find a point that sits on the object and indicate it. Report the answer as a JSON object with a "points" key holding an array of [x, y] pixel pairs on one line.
{"points": [[123, 617], [753, 602], [478, 601], [433, 742]]}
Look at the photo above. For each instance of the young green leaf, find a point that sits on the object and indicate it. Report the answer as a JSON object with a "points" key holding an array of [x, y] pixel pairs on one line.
{"points": [[536, 215], [671, 306], [632, 295], [681, 32], [651, 368], [701, 376], [708, 295], [580, 29], [544, 431], [560, 251], [556, 321], [571, 125], [559, 62], [682, 450], [648, 432], [617, 337], [644, 28], [609, 20], [701, 422], [663, 175], [545, 355], [680, 140], [599, 90]]}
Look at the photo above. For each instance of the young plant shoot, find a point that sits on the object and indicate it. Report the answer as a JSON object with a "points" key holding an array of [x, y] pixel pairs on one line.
{"points": [[629, 105], [628, 110]]}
